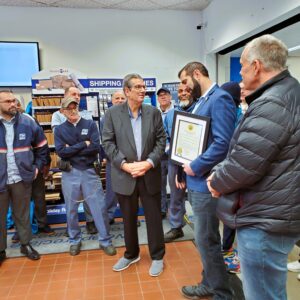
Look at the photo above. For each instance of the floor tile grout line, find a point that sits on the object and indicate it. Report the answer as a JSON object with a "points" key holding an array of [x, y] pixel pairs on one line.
{"points": [[178, 250]]}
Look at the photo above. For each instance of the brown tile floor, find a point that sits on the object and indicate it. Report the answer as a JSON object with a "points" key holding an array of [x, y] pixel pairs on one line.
{"points": [[90, 276]]}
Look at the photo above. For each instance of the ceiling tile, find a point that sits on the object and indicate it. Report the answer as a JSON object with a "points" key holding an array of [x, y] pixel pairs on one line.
{"points": [[113, 4]]}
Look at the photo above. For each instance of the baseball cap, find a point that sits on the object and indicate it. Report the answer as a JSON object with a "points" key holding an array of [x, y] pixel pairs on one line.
{"points": [[163, 89], [66, 101]]}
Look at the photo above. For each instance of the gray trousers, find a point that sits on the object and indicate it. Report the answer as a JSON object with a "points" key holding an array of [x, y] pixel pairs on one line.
{"points": [[19, 195], [86, 183]]}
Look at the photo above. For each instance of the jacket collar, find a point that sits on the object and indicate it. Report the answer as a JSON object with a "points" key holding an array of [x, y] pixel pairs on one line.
{"points": [[259, 91]]}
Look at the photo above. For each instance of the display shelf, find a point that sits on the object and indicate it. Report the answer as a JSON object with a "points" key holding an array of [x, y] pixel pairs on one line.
{"points": [[51, 92]]}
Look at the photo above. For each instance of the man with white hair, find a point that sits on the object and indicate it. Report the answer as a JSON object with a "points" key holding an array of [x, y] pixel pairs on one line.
{"points": [[258, 182]]}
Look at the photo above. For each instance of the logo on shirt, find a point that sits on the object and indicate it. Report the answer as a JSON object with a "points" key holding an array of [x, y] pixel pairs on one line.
{"points": [[22, 136], [84, 131]]}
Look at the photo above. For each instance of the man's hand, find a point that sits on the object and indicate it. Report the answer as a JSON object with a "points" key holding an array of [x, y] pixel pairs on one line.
{"points": [[213, 192], [36, 173], [140, 168], [188, 170], [137, 169], [126, 167], [179, 185]]}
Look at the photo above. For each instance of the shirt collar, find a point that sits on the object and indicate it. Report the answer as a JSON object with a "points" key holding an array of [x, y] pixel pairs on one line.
{"points": [[167, 110], [209, 90], [75, 124], [12, 120], [130, 112]]}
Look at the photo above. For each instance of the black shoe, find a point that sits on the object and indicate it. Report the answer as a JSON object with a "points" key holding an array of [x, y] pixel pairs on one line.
{"points": [[2, 256], [66, 233], [196, 292], [15, 238], [109, 250], [163, 215], [173, 234], [28, 251], [138, 223], [112, 221], [75, 249], [91, 228], [47, 230]]}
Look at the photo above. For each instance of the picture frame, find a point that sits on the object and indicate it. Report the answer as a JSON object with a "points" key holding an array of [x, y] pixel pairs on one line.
{"points": [[189, 137]]}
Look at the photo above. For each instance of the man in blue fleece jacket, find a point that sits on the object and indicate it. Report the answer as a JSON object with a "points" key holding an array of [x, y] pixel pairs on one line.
{"points": [[220, 108], [23, 152], [77, 141]]}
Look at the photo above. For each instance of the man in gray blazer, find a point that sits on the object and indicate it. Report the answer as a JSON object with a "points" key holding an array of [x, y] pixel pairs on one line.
{"points": [[134, 141]]}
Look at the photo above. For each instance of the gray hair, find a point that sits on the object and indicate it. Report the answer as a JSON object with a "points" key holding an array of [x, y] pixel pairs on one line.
{"points": [[6, 91], [269, 50], [127, 80]]}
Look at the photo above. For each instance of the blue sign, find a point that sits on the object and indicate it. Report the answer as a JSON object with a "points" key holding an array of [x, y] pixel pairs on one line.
{"points": [[115, 83], [173, 88], [105, 83]]}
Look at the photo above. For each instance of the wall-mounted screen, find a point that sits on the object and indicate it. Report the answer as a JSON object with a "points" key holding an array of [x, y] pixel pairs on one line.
{"points": [[18, 62]]}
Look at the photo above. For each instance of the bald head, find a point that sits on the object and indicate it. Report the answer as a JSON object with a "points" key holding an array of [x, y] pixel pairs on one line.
{"points": [[118, 97], [72, 92]]}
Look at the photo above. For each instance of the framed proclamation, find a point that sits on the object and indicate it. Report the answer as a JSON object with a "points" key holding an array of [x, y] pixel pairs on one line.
{"points": [[189, 137]]}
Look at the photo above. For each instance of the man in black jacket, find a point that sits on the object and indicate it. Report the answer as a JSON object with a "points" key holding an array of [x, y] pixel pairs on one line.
{"points": [[258, 182]]}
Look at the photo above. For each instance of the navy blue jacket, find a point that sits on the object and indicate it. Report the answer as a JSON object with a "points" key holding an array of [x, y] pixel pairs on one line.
{"points": [[30, 148], [219, 106], [80, 155]]}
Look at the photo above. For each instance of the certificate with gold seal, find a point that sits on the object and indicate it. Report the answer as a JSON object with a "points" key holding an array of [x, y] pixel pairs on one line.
{"points": [[189, 137]]}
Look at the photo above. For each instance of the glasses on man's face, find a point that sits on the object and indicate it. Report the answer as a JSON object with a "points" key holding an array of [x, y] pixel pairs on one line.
{"points": [[71, 109], [13, 101], [139, 87]]}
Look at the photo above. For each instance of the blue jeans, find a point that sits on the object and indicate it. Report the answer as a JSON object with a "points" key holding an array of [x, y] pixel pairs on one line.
{"points": [[208, 242], [86, 183], [177, 200], [263, 257]]}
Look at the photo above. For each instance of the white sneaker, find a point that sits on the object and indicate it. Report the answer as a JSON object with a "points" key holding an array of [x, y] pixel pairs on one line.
{"points": [[156, 268], [294, 266], [298, 277], [123, 263]]}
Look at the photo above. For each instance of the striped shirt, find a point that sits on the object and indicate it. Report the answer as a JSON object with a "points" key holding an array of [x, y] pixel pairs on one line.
{"points": [[13, 174]]}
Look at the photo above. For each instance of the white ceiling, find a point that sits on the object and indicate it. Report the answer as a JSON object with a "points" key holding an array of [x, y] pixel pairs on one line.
{"points": [[113, 4]]}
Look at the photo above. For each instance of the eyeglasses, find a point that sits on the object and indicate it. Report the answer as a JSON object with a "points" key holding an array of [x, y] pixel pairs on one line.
{"points": [[13, 101], [71, 109], [139, 87]]}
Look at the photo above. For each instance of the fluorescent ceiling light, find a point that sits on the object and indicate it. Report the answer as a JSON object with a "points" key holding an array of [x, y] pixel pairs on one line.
{"points": [[294, 48]]}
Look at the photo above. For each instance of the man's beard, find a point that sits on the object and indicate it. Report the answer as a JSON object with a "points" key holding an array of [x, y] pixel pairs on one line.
{"points": [[11, 112], [196, 92], [184, 104]]}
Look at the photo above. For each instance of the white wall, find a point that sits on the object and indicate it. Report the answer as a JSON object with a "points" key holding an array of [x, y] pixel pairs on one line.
{"points": [[293, 64], [228, 22], [108, 43]]}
